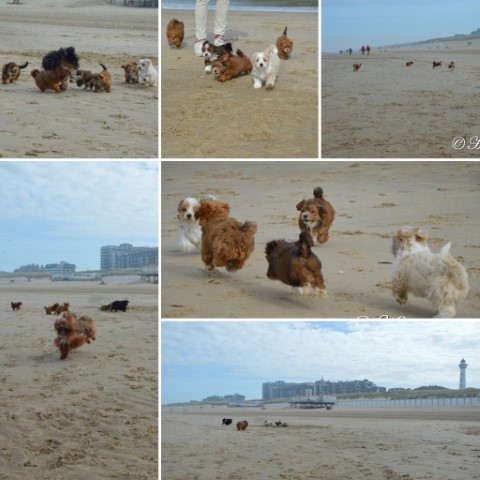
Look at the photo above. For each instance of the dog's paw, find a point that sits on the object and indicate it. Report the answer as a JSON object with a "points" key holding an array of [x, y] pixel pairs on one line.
{"points": [[402, 300], [270, 86]]}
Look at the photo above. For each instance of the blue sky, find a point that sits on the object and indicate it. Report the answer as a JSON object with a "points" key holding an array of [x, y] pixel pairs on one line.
{"points": [[353, 23], [200, 359], [66, 210]]}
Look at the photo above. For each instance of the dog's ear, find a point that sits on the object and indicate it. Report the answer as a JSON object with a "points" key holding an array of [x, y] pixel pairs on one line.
{"points": [[300, 204], [322, 212], [420, 234]]}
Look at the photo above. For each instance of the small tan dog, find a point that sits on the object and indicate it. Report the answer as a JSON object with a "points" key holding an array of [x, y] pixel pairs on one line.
{"points": [[436, 276], [73, 333], [50, 79], [175, 33], [102, 82], [316, 217], [284, 45], [131, 72], [11, 72], [356, 67], [225, 241], [229, 66]]}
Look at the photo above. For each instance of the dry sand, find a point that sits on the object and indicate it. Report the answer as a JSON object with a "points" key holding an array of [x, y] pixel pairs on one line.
{"points": [[78, 123], [203, 118], [341, 444], [94, 415], [388, 110], [372, 200]]}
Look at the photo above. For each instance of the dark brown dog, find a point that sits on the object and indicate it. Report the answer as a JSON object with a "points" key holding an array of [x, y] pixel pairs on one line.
{"points": [[294, 263], [73, 333], [356, 67], [50, 79], [284, 45], [16, 305], [11, 72], [436, 64], [231, 66], [242, 425], [316, 217], [131, 72], [175, 32], [63, 308], [409, 64], [52, 309]]}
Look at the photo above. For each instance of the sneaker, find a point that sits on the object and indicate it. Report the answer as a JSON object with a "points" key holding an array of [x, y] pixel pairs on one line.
{"points": [[219, 41], [198, 47]]}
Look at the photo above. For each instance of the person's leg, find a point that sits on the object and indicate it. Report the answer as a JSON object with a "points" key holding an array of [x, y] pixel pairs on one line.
{"points": [[201, 13], [220, 26]]}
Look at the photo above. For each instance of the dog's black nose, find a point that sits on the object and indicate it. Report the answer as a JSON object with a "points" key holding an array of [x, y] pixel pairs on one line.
{"points": [[189, 216]]}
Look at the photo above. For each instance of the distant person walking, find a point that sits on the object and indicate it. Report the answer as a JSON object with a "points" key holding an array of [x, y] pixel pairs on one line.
{"points": [[363, 49], [219, 27], [368, 49], [350, 51]]}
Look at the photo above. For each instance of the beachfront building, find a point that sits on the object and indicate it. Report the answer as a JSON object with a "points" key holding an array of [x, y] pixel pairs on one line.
{"points": [[125, 255], [61, 268], [463, 374], [325, 387], [281, 389]]}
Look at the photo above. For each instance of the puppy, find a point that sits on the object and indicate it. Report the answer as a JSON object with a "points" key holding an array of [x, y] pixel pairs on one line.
{"points": [[106, 308], [51, 309], [225, 241], [242, 425], [131, 72], [436, 64], [63, 308], [226, 421], [82, 77], [211, 52], [189, 232], [294, 263], [316, 217], [73, 333], [102, 82], [232, 66], [147, 73], [409, 64], [356, 67], [284, 45], [64, 58], [451, 66], [175, 32], [265, 67], [16, 305], [438, 277], [11, 71], [50, 79]]}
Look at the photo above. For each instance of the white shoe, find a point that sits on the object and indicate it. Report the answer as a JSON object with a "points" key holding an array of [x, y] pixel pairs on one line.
{"points": [[198, 47], [219, 41]]}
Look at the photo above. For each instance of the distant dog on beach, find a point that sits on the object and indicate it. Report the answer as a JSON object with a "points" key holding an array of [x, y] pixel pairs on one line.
{"points": [[284, 45], [211, 52], [229, 66], [62, 308], [294, 264], [175, 32], [242, 425], [227, 421], [106, 308], [356, 67], [409, 64], [73, 333], [436, 276], [265, 68], [52, 309], [63, 58], [50, 79], [16, 305], [131, 72], [436, 64], [147, 75], [451, 66], [11, 72], [102, 82]]}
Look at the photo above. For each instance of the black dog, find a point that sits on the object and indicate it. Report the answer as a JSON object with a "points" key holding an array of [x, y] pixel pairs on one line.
{"points": [[119, 305], [65, 58], [227, 421]]}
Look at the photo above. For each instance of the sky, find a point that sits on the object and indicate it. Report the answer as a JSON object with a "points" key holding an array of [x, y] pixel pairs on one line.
{"points": [[65, 211], [201, 358], [353, 23]]}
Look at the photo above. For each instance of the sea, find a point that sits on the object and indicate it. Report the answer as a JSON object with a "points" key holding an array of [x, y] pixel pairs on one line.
{"points": [[297, 6]]}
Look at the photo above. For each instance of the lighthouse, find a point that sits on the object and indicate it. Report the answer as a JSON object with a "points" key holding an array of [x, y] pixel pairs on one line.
{"points": [[463, 374]]}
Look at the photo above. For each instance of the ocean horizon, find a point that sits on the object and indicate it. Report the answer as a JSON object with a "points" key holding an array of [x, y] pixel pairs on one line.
{"points": [[299, 6]]}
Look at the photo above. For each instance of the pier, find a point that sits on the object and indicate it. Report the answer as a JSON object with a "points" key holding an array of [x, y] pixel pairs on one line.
{"points": [[313, 402], [149, 274]]}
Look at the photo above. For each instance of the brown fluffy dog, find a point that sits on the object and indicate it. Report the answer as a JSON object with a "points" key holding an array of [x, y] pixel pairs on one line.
{"points": [[51, 309], [131, 72], [63, 308], [316, 217], [409, 64], [16, 305], [242, 425], [294, 263], [225, 241], [284, 45], [102, 81], [11, 72], [356, 67], [50, 79], [73, 333], [175, 32], [230, 66]]}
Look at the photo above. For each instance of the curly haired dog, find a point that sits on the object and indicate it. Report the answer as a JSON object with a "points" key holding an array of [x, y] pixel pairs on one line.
{"points": [[63, 58], [284, 45], [131, 72], [63, 308], [225, 241], [436, 276], [242, 425], [73, 333], [16, 305], [52, 309], [50, 79], [294, 263], [229, 66], [82, 77], [11, 71], [175, 32], [316, 217]]}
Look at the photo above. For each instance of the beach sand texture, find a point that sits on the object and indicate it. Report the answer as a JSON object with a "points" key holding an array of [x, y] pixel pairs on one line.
{"points": [[203, 118], [388, 110], [93, 415], [78, 123], [372, 200], [341, 444]]}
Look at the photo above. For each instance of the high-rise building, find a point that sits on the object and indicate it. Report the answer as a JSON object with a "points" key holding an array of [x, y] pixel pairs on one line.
{"points": [[463, 374], [125, 255]]}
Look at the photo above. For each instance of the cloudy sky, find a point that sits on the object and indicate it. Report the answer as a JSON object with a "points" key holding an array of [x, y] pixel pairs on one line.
{"points": [[66, 210], [200, 359], [353, 23]]}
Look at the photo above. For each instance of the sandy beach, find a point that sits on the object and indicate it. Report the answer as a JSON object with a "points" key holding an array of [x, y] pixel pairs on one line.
{"points": [[388, 110], [93, 415], [372, 201], [203, 118], [342, 444], [78, 123]]}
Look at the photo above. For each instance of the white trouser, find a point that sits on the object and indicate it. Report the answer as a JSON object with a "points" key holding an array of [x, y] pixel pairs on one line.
{"points": [[201, 13]]}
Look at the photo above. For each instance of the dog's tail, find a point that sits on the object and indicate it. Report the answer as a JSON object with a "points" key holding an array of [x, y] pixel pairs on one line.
{"points": [[457, 275], [228, 47], [23, 66], [285, 31], [34, 72], [318, 193], [240, 53], [103, 66], [249, 227], [304, 249]]}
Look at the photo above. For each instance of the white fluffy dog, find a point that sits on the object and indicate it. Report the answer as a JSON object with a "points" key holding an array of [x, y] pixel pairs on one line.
{"points": [[265, 67], [438, 277], [147, 73]]}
